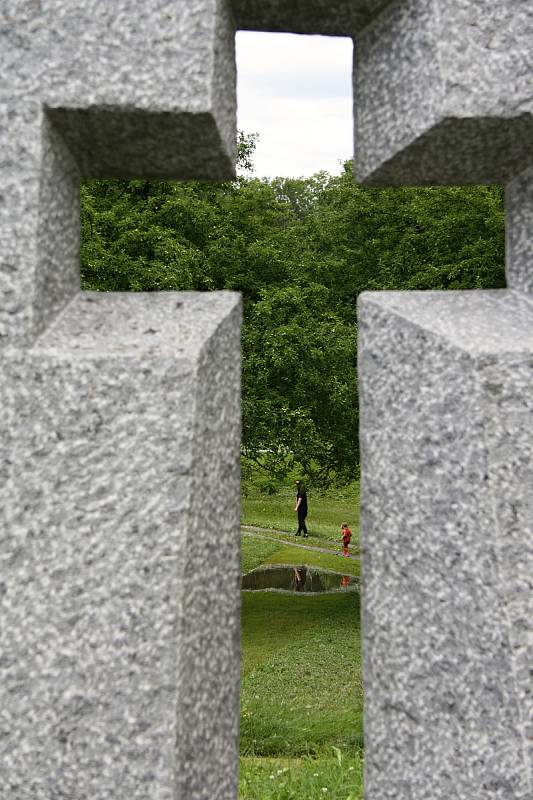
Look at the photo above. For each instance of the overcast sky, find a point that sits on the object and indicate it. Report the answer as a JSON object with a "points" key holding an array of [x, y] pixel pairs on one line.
{"points": [[296, 93]]}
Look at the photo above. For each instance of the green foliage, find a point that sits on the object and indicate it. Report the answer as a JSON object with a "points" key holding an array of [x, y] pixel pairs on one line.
{"points": [[299, 382], [300, 251]]}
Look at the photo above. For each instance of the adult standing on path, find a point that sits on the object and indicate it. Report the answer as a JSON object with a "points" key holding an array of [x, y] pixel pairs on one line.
{"points": [[301, 508]]}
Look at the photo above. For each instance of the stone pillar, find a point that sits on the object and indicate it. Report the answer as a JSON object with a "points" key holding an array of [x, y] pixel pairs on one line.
{"points": [[446, 514], [443, 96], [119, 432], [120, 645], [519, 232], [443, 93], [119, 637]]}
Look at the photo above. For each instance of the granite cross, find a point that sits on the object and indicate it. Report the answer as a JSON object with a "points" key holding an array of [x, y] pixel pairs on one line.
{"points": [[120, 659]]}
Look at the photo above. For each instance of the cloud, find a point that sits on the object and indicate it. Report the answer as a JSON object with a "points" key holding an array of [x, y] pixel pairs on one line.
{"points": [[296, 92]]}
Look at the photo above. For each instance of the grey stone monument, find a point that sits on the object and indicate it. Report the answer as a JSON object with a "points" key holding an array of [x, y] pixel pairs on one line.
{"points": [[119, 637], [119, 424], [444, 95]]}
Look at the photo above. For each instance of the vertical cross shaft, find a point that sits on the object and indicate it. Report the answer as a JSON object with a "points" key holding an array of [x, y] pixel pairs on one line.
{"points": [[443, 95], [119, 639]]}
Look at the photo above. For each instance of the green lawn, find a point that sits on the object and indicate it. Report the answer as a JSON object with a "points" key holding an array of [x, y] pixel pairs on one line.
{"points": [[302, 690], [256, 552], [301, 695], [339, 778], [327, 510], [295, 555], [316, 541]]}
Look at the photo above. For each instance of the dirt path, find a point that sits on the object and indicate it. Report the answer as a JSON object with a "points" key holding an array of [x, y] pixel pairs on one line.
{"points": [[252, 530]]}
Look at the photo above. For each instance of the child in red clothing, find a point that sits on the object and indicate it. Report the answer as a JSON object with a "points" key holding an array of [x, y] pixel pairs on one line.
{"points": [[346, 538]]}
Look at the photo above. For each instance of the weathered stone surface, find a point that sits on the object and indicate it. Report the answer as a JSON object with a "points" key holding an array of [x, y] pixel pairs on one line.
{"points": [[19, 10], [137, 88], [143, 87], [129, 89], [519, 232], [119, 634], [119, 662], [326, 17], [39, 224], [443, 92], [120, 629], [447, 442]]}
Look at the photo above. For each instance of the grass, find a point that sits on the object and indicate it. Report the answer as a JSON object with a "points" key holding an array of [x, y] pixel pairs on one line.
{"points": [[301, 686], [295, 555], [327, 510], [333, 544], [302, 694], [337, 778], [256, 552]]}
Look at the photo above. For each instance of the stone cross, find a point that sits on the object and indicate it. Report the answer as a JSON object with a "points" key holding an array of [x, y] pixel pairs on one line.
{"points": [[119, 424], [119, 637], [444, 95]]}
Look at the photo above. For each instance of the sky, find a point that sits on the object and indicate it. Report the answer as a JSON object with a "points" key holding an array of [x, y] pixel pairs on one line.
{"points": [[296, 93]]}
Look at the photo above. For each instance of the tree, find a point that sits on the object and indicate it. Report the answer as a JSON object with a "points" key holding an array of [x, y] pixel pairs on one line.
{"points": [[300, 251], [299, 384]]}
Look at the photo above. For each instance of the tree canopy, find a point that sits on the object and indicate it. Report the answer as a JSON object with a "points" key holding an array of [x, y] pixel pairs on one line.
{"points": [[300, 251]]}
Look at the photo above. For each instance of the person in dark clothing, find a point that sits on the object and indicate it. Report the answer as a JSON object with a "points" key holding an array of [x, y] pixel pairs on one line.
{"points": [[298, 581], [301, 509]]}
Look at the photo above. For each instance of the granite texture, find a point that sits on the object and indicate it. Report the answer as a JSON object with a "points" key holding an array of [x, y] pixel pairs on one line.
{"points": [[519, 232], [144, 87], [119, 432], [326, 17], [126, 89], [19, 10], [443, 92], [120, 552], [447, 552], [39, 223], [166, 71]]}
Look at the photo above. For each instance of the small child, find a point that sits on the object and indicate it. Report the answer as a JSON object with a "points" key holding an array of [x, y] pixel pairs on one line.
{"points": [[346, 538]]}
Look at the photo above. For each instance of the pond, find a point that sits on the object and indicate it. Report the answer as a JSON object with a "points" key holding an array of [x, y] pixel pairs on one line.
{"points": [[297, 579]]}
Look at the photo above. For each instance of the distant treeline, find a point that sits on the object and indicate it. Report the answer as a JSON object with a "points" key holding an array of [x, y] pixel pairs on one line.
{"points": [[300, 251]]}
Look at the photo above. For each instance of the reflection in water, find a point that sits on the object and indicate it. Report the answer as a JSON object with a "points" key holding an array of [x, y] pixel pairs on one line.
{"points": [[297, 579], [298, 582]]}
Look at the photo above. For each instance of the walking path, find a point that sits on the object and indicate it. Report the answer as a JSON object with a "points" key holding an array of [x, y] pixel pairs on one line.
{"points": [[252, 530]]}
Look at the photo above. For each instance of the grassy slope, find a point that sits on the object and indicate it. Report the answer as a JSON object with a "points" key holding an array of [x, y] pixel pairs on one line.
{"points": [[301, 692], [295, 555], [339, 778], [256, 552], [327, 510]]}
